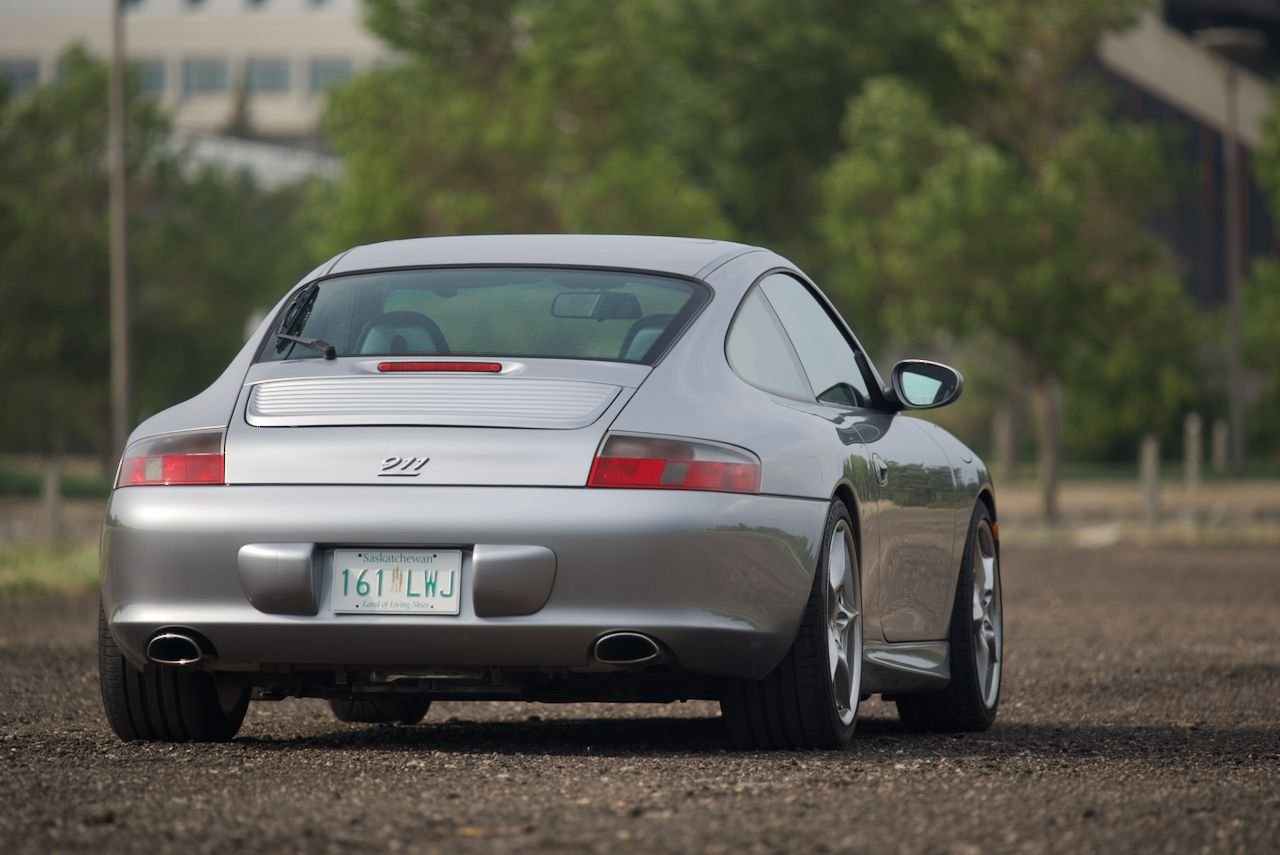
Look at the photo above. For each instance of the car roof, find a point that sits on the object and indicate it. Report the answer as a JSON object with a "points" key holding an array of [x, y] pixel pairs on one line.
{"points": [[678, 255]]}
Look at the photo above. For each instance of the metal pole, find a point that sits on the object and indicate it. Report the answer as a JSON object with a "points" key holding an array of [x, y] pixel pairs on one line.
{"points": [[119, 299], [1235, 264]]}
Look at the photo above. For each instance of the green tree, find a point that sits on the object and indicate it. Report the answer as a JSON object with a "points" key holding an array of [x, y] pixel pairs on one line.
{"points": [[206, 249], [1025, 221], [502, 119], [703, 117], [53, 190]]}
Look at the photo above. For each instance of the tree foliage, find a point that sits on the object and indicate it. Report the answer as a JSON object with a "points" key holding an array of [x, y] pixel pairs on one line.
{"points": [[1025, 220], [205, 249], [950, 170]]}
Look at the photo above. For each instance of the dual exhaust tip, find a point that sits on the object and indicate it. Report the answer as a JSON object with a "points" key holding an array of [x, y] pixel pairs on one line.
{"points": [[613, 648], [626, 648], [174, 648]]}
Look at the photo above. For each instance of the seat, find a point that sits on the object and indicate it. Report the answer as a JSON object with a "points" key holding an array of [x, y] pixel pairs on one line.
{"points": [[401, 332], [642, 335]]}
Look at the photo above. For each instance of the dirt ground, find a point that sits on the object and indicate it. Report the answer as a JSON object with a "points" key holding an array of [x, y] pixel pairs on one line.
{"points": [[1141, 712]]}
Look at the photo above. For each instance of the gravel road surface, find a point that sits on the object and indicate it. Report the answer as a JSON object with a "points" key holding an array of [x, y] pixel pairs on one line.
{"points": [[1141, 712]]}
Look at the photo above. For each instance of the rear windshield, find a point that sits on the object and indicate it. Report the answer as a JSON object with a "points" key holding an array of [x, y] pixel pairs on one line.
{"points": [[532, 312]]}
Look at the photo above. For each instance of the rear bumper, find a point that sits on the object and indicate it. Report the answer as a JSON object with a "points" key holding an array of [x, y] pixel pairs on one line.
{"points": [[721, 580]]}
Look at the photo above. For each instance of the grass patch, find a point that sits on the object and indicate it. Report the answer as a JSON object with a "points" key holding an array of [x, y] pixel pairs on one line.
{"points": [[28, 569]]}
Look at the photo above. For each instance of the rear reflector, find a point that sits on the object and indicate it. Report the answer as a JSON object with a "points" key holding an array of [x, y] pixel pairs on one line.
{"points": [[661, 463], [471, 367], [180, 458]]}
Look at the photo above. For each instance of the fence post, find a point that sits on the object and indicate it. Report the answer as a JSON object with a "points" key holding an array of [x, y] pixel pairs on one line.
{"points": [[49, 532], [1192, 456], [1149, 478], [1003, 443], [1192, 452], [1219, 446]]}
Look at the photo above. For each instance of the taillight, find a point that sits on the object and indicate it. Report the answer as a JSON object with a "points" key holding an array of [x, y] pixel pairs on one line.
{"points": [[177, 458], [664, 463]]}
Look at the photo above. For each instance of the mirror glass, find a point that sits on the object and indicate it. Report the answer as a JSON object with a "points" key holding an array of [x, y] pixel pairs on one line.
{"points": [[920, 389], [575, 304], [597, 305], [922, 384]]}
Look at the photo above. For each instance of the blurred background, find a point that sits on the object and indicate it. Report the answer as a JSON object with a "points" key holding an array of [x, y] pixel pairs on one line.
{"points": [[1073, 201]]}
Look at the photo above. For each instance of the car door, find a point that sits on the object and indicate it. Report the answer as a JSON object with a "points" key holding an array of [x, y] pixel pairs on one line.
{"points": [[916, 519], [910, 586], [840, 396]]}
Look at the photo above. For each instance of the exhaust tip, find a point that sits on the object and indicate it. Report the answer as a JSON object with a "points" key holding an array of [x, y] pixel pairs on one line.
{"points": [[626, 648], [174, 648]]}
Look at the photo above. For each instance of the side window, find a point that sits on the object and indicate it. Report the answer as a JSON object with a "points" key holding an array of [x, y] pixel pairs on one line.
{"points": [[759, 352], [827, 356]]}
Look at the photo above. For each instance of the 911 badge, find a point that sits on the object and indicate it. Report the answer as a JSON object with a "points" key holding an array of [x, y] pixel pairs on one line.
{"points": [[402, 467]]}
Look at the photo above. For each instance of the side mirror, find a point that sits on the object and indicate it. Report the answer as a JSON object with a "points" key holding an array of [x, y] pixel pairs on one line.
{"points": [[922, 385]]}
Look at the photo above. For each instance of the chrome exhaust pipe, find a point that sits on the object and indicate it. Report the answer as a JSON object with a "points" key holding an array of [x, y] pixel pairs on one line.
{"points": [[174, 648], [625, 648]]}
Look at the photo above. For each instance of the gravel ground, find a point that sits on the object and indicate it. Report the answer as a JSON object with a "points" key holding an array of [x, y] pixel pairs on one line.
{"points": [[1141, 712]]}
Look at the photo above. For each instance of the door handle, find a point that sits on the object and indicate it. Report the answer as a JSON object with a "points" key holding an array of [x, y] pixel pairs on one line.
{"points": [[882, 469]]}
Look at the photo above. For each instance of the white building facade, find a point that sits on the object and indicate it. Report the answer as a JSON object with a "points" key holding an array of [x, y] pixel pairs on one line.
{"points": [[201, 58]]}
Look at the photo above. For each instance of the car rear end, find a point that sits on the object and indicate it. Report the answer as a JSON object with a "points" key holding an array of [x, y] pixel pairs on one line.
{"points": [[442, 508]]}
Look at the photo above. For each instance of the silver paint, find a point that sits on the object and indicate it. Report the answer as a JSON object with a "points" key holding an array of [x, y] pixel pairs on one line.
{"points": [[427, 399], [511, 579], [280, 578]]}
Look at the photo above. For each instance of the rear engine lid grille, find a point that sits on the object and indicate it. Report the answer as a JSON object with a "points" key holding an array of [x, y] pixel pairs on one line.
{"points": [[429, 400]]}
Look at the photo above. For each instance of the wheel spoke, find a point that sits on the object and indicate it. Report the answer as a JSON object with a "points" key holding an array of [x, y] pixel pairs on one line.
{"points": [[841, 686], [987, 629], [837, 562], [844, 624]]}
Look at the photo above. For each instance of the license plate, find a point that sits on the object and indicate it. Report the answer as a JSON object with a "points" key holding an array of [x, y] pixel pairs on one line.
{"points": [[396, 581]]}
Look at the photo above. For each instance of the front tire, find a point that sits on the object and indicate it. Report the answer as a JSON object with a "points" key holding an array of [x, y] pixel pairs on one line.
{"points": [[811, 699], [165, 704], [970, 701]]}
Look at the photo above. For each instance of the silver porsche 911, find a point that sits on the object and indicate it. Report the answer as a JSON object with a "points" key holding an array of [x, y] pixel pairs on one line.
{"points": [[554, 468]]}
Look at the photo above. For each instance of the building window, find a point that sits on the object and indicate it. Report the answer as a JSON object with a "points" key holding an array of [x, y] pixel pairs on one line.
{"points": [[21, 75], [268, 75], [152, 74], [328, 72], [204, 76]]}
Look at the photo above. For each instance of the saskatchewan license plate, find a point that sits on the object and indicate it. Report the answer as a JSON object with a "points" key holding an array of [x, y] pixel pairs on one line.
{"points": [[397, 581]]}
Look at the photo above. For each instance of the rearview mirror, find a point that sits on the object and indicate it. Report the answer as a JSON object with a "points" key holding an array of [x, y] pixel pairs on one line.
{"points": [[596, 306], [923, 385]]}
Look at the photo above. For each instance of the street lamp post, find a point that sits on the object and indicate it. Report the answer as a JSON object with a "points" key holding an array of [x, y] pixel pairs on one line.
{"points": [[1231, 43], [119, 288]]}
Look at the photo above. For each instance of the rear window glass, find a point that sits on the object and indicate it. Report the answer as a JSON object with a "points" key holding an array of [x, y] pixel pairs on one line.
{"points": [[569, 314]]}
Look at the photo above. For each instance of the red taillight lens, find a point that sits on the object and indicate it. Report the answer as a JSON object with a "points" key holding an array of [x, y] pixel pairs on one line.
{"points": [[472, 367], [661, 463], [180, 458]]}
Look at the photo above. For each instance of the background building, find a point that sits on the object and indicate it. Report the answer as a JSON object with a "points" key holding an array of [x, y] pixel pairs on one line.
{"points": [[260, 65]]}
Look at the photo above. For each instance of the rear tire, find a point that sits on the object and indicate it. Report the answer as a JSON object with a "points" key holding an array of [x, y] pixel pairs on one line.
{"points": [[970, 701], [400, 709], [165, 704], [811, 699]]}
